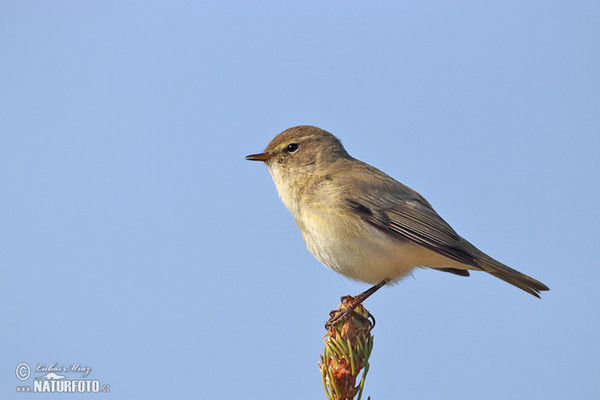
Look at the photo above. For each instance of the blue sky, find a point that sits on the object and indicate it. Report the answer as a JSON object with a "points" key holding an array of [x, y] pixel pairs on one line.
{"points": [[136, 239]]}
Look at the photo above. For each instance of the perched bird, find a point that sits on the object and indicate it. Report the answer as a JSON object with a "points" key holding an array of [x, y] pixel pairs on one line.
{"points": [[363, 223]]}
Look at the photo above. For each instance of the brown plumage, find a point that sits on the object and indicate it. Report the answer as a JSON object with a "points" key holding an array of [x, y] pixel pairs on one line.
{"points": [[363, 223]]}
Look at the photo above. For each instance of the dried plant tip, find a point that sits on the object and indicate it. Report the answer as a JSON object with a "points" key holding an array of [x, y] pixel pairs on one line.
{"points": [[348, 345]]}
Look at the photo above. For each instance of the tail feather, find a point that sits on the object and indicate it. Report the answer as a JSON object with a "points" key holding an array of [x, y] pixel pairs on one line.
{"points": [[455, 271], [512, 276]]}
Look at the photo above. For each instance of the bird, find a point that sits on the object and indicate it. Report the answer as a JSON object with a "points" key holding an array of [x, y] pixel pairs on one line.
{"points": [[364, 224]]}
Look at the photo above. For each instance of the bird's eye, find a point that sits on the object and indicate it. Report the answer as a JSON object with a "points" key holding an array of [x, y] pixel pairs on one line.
{"points": [[292, 147]]}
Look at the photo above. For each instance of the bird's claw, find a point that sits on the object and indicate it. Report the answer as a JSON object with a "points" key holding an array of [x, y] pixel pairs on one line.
{"points": [[342, 314]]}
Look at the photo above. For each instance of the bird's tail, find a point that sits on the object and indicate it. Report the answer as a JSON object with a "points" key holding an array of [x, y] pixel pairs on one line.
{"points": [[512, 276]]}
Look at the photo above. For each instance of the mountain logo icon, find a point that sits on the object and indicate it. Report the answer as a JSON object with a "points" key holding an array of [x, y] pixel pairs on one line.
{"points": [[51, 376]]}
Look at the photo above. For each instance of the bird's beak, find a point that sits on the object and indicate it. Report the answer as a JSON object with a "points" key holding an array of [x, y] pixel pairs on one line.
{"points": [[260, 157]]}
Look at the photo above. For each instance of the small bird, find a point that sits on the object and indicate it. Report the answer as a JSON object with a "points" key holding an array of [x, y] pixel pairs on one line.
{"points": [[364, 224]]}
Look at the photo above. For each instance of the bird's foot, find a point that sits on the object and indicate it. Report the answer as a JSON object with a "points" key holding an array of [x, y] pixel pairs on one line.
{"points": [[349, 304], [347, 310]]}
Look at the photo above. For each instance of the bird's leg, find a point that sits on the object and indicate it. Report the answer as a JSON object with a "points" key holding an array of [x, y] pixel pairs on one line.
{"points": [[337, 316]]}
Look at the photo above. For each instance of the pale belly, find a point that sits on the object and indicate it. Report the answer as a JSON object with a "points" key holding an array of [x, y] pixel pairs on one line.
{"points": [[360, 251]]}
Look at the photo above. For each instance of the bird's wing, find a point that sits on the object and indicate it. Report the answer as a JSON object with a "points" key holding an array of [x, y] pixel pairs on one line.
{"points": [[401, 212], [416, 224]]}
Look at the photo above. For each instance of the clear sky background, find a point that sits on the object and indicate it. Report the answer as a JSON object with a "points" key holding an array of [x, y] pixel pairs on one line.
{"points": [[136, 240]]}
